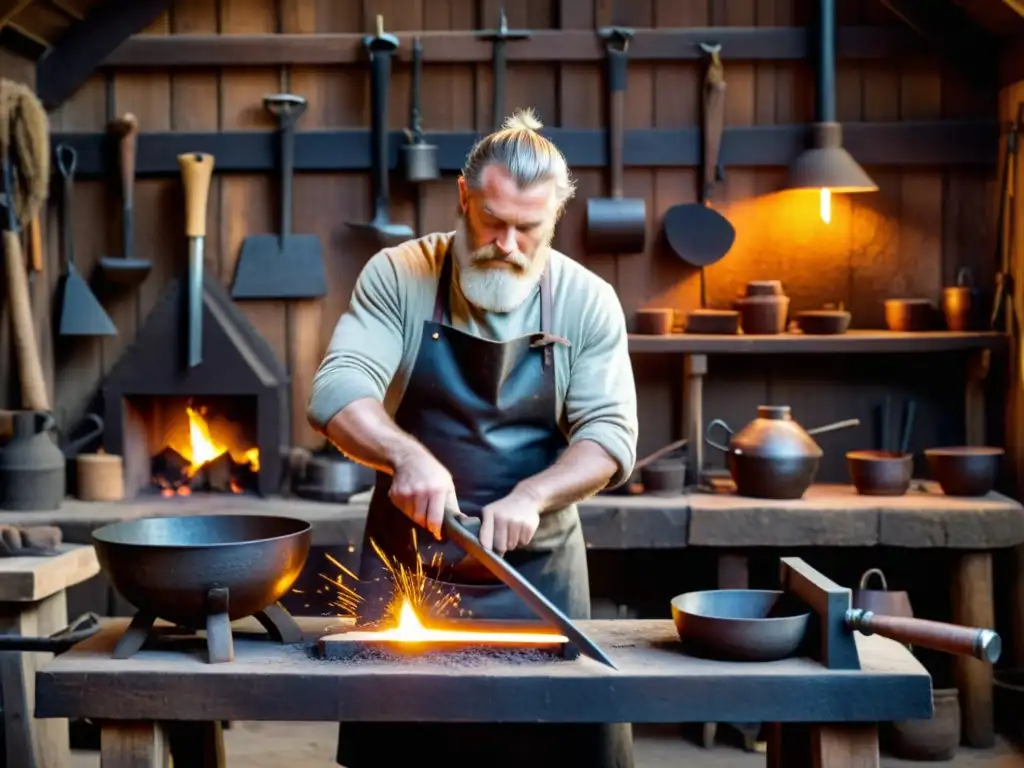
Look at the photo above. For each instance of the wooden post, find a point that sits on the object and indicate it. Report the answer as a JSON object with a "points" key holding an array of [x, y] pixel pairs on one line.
{"points": [[974, 397], [798, 745], [133, 744], [33, 603], [30, 742], [694, 369], [972, 605]]}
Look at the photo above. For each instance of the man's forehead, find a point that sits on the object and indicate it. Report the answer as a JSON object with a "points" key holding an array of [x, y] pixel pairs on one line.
{"points": [[499, 192]]}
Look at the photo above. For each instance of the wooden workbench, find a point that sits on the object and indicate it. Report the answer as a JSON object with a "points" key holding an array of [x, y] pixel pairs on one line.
{"points": [[827, 516], [33, 603], [654, 682]]}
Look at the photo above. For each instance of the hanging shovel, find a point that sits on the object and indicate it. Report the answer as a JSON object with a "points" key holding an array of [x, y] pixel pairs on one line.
{"points": [[697, 233], [81, 313], [381, 48], [286, 265], [125, 270]]}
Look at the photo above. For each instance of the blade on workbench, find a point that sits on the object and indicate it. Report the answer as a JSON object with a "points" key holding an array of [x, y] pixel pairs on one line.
{"points": [[539, 604]]}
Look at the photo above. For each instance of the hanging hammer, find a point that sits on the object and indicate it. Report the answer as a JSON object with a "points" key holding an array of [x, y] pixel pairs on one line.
{"points": [[499, 37]]}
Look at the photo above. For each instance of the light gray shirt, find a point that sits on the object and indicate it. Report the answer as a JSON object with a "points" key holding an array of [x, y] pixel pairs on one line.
{"points": [[374, 346]]}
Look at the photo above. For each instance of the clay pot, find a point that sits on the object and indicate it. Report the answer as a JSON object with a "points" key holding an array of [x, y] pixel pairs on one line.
{"points": [[763, 315], [936, 739], [764, 288], [823, 322], [724, 322], [664, 477], [881, 601], [960, 304], [880, 473], [908, 314], [969, 470], [654, 322], [1008, 699]]}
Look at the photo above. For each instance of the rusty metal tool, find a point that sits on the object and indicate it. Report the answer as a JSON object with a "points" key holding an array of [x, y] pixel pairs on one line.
{"points": [[470, 544], [499, 38]]}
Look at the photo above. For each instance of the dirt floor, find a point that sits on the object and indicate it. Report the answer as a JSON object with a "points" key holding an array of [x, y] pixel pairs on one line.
{"points": [[311, 745]]}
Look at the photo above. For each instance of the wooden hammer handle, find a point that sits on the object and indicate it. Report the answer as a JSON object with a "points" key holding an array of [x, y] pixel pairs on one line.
{"points": [[30, 369], [196, 172], [982, 644]]}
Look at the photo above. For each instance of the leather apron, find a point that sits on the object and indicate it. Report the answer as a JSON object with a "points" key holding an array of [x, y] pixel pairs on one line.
{"points": [[488, 412]]}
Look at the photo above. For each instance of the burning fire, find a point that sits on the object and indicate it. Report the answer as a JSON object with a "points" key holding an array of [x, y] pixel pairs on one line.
{"points": [[411, 630], [200, 448], [203, 448], [416, 596]]}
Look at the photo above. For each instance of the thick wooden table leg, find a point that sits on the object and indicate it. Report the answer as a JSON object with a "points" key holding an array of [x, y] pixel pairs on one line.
{"points": [[694, 369], [29, 742], [133, 744], [974, 396], [197, 744], [848, 745], [972, 605]]}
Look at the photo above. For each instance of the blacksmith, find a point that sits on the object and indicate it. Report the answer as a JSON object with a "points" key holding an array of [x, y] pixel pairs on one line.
{"points": [[483, 369]]}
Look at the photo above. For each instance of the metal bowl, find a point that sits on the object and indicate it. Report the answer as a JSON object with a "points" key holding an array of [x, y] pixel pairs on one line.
{"points": [[167, 565], [740, 624]]}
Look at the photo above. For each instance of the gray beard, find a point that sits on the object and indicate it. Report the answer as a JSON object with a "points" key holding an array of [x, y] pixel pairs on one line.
{"points": [[493, 289]]}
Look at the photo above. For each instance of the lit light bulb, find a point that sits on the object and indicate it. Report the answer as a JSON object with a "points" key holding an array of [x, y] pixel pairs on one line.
{"points": [[825, 205]]}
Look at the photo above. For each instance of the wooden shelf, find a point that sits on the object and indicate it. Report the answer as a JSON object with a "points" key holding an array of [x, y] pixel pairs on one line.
{"points": [[827, 515], [877, 342]]}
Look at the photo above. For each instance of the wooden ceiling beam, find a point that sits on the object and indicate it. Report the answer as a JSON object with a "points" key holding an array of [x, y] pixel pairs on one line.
{"points": [[73, 58], [21, 43], [11, 8], [956, 36], [1015, 5], [67, 10]]}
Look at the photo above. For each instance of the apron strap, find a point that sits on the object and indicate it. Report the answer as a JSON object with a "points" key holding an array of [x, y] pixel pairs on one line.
{"points": [[441, 310], [545, 313], [443, 285]]}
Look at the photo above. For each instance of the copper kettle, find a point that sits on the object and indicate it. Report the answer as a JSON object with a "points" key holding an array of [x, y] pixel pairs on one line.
{"points": [[881, 601]]}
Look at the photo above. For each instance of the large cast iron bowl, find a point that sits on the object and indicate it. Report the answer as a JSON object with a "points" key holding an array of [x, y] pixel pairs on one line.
{"points": [[166, 565], [740, 624]]}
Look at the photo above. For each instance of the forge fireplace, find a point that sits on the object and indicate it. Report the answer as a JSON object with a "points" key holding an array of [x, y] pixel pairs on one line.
{"points": [[218, 427]]}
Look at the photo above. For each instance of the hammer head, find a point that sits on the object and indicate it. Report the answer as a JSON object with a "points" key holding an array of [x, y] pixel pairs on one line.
{"points": [[503, 32]]}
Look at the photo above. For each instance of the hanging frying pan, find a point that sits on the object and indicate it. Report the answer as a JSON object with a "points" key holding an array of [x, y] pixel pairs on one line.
{"points": [[697, 233]]}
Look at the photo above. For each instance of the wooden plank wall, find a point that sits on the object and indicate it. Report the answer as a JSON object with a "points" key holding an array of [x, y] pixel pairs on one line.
{"points": [[909, 239]]}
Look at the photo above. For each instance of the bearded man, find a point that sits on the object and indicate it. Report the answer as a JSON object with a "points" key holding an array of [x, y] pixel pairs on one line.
{"points": [[482, 370]]}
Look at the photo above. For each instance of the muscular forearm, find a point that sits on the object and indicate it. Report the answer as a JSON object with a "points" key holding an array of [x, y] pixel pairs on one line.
{"points": [[581, 471], [365, 432]]}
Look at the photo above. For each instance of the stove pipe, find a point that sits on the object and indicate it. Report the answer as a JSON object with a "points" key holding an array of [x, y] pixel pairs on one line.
{"points": [[825, 165]]}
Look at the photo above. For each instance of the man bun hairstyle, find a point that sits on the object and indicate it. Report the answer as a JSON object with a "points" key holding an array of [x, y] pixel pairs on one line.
{"points": [[529, 157]]}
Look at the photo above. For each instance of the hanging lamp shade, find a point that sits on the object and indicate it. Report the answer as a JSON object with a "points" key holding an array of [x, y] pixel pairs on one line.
{"points": [[825, 164]]}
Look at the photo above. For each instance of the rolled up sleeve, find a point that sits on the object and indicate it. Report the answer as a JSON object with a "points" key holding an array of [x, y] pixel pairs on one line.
{"points": [[366, 346], [600, 401]]}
